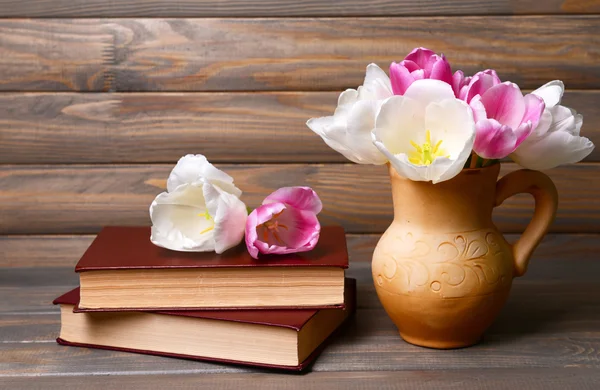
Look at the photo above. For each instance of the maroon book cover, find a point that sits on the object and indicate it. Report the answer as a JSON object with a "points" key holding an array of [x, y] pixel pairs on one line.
{"points": [[120, 247], [294, 319]]}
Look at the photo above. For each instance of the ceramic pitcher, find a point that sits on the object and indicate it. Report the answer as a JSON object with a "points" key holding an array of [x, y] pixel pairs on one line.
{"points": [[442, 270]]}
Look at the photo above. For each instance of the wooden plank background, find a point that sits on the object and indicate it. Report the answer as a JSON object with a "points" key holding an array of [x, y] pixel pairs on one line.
{"points": [[98, 100], [279, 8], [285, 54]]}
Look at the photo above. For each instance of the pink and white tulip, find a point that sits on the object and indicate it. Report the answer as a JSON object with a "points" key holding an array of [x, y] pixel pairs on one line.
{"points": [[285, 223], [504, 119], [420, 64], [555, 140]]}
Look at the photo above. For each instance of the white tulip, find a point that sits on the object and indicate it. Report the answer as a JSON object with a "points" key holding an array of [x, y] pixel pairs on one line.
{"points": [[555, 141], [348, 131], [427, 134], [200, 211]]}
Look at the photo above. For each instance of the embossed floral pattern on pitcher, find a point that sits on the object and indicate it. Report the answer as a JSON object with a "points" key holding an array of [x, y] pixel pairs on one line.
{"points": [[442, 270], [446, 265]]}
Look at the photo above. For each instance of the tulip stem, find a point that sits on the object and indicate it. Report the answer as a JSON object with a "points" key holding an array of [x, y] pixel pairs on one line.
{"points": [[474, 159]]}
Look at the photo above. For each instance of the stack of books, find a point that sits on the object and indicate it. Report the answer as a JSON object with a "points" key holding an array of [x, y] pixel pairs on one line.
{"points": [[274, 312]]}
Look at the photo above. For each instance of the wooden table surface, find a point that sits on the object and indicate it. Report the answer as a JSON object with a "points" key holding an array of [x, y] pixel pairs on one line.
{"points": [[547, 337]]}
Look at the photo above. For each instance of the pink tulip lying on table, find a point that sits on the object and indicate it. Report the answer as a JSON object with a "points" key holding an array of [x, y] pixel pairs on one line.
{"points": [[286, 222]]}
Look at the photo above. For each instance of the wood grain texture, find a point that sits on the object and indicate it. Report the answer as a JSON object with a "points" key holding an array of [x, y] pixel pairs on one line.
{"points": [[42, 251], [286, 54], [475, 378], [63, 251], [50, 128], [273, 8], [318, 54], [55, 55], [147, 127], [82, 199]]}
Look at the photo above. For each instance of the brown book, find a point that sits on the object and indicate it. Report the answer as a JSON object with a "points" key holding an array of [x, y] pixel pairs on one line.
{"points": [[284, 339], [123, 270]]}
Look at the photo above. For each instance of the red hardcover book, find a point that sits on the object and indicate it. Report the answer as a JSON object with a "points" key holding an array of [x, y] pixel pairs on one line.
{"points": [[281, 339], [123, 270]]}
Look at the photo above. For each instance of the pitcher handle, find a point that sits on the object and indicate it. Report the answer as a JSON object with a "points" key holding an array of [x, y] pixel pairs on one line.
{"points": [[546, 201]]}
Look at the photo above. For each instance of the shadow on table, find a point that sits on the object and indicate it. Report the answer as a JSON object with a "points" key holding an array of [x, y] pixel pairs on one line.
{"points": [[536, 308]]}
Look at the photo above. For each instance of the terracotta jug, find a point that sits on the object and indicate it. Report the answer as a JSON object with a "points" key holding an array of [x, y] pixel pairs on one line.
{"points": [[442, 270]]}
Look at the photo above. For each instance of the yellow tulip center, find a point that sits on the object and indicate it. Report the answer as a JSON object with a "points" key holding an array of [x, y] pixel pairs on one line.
{"points": [[208, 218], [425, 154]]}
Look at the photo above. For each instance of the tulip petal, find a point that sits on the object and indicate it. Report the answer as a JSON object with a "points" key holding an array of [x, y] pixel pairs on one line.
{"points": [[534, 107], [361, 122], [177, 220], [557, 148], [443, 168], [395, 117], [420, 55], [377, 83], [411, 66], [563, 119], [349, 96], [551, 93], [441, 71], [480, 83], [458, 82], [418, 74], [427, 91], [301, 198], [478, 109], [522, 132], [333, 134], [578, 122], [400, 78], [504, 103], [493, 139], [399, 161], [451, 121], [251, 235], [543, 125], [374, 73], [266, 211], [229, 214], [191, 168]]}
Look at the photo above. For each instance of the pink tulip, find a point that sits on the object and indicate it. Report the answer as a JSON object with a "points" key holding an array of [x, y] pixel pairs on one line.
{"points": [[476, 85], [460, 82], [420, 64], [504, 118], [285, 223]]}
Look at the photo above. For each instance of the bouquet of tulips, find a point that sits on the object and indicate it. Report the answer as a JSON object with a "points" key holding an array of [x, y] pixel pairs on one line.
{"points": [[429, 123]]}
